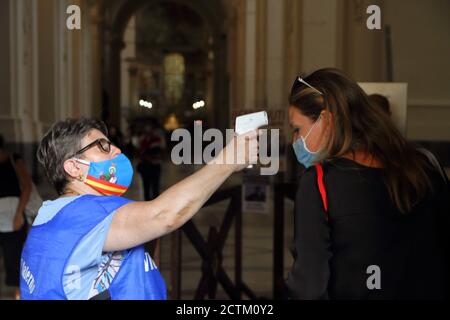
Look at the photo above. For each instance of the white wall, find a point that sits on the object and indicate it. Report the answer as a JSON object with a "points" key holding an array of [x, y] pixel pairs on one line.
{"points": [[320, 34], [46, 70], [5, 63], [128, 94], [421, 57], [276, 96]]}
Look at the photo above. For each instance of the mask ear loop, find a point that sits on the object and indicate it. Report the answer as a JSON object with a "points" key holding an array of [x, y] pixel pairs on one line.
{"points": [[314, 125], [306, 137], [80, 177], [82, 161]]}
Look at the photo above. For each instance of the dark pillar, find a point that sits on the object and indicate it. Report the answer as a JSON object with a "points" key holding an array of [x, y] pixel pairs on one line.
{"points": [[111, 100], [221, 94]]}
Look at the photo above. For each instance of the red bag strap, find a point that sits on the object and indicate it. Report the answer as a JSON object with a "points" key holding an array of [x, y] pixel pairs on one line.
{"points": [[322, 190]]}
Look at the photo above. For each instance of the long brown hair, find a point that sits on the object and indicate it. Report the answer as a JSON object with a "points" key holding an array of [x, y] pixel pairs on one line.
{"points": [[359, 125]]}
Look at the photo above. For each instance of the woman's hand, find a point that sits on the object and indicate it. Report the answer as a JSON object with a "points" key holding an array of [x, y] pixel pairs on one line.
{"points": [[241, 151], [18, 221]]}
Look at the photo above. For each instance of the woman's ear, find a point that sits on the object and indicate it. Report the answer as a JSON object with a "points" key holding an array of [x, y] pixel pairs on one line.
{"points": [[327, 118], [72, 168], [327, 125]]}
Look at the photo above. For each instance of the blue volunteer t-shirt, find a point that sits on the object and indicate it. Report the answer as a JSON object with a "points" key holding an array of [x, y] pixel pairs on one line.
{"points": [[89, 270]]}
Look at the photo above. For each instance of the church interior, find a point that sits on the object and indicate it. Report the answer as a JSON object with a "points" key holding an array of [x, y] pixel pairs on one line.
{"points": [[175, 63]]}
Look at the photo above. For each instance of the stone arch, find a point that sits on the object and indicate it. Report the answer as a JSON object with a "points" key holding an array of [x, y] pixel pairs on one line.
{"points": [[120, 13]]}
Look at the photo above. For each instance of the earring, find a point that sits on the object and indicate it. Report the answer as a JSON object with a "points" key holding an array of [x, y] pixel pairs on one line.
{"points": [[80, 178]]}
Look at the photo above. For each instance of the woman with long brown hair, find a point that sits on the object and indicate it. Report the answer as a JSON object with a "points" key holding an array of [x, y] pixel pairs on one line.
{"points": [[371, 213]]}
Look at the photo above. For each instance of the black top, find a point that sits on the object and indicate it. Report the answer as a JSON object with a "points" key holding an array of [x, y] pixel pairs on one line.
{"points": [[365, 229], [9, 183]]}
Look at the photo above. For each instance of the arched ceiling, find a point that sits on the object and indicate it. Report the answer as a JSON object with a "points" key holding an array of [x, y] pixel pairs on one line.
{"points": [[120, 11]]}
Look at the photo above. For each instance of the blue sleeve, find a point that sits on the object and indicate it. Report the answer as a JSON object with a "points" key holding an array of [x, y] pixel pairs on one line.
{"points": [[83, 265]]}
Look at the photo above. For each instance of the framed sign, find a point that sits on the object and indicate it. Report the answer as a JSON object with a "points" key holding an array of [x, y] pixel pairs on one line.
{"points": [[256, 195]]}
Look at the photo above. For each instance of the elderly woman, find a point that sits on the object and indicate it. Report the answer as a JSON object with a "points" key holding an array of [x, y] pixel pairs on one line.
{"points": [[88, 243]]}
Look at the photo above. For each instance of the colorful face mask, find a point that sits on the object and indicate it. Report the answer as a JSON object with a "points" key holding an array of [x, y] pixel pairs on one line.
{"points": [[109, 177], [303, 154]]}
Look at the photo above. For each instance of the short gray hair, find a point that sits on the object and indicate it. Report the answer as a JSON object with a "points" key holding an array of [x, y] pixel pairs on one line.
{"points": [[61, 142]]}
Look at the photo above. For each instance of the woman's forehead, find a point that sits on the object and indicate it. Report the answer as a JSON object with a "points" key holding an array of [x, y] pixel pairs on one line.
{"points": [[296, 116]]}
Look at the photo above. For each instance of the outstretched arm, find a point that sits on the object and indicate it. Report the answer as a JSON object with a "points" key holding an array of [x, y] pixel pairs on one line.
{"points": [[139, 222]]}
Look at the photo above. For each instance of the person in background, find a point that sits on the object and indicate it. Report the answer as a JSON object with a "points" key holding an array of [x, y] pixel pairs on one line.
{"points": [[371, 213], [161, 132], [382, 102], [15, 190], [152, 150], [116, 137], [129, 148], [151, 147]]}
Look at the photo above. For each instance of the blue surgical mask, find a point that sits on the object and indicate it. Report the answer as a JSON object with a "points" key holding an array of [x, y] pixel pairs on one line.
{"points": [[303, 154], [109, 177]]}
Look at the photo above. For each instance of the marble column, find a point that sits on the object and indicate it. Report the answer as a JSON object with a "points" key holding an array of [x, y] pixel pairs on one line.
{"points": [[21, 115], [275, 54], [24, 69], [128, 78], [113, 82]]}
